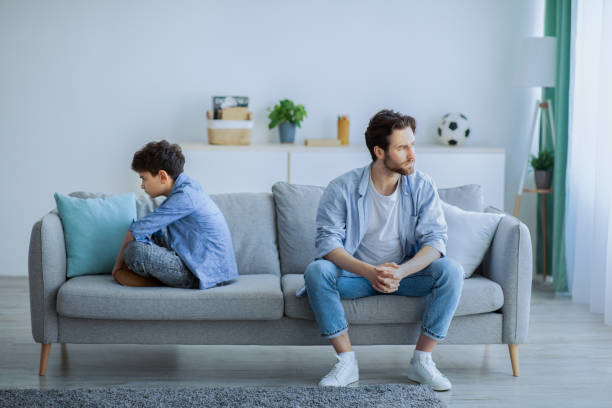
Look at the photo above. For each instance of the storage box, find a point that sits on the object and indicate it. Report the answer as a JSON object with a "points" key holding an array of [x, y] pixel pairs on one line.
{"points": [[232, 131]]}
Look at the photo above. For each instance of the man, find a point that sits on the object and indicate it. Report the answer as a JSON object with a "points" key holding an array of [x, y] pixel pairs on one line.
{"points": [[381, 231]]}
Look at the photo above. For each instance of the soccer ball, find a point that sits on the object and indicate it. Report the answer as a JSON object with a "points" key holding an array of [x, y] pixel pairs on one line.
{"points": [[453, 129]]}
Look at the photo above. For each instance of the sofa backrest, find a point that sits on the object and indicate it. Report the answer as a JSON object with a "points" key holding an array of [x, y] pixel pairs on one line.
{"points": [[296, 209], [252, 222]]}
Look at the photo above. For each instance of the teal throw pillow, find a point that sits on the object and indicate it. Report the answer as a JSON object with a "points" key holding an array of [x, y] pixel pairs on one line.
{"points": [[94, 229]]}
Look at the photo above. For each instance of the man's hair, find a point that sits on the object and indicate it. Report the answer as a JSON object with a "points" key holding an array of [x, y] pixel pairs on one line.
{"points": [[382, 126], [156, 156]]}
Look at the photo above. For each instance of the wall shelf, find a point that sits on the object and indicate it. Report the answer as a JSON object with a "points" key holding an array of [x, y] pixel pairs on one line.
{"points": [[255, 168]]}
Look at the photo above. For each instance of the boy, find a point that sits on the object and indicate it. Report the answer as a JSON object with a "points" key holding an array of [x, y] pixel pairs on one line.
{"points": [[196, 251]]}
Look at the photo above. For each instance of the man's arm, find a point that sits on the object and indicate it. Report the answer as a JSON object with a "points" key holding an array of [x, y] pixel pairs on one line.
{"points": [[420, 261], [119, 261], [343, 260], [431, 229], [382, 277], [430, 233]]}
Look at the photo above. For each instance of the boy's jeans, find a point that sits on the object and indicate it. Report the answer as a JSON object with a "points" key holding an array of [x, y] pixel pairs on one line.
{"points": [[441, 282], [159, 261]]}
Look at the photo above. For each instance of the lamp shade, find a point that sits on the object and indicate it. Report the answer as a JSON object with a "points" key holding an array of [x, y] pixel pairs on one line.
{"points": [[538, 62]]}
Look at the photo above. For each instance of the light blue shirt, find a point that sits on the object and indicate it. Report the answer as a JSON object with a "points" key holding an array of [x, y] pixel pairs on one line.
{"points": [[197, 232], [343, 214]]}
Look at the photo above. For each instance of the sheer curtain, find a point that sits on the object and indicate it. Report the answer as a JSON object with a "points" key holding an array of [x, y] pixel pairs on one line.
{"points": [[589, 169]]}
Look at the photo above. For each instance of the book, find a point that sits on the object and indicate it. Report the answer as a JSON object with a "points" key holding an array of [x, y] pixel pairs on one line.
{"points": [[322, 142], [222, 102]]}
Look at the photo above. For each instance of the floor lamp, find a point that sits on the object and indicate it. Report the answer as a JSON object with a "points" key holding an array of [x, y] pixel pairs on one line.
{"points": [[538, 69]]}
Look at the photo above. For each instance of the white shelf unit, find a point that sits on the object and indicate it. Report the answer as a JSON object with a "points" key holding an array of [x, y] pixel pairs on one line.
{"points": [[255, 168]]}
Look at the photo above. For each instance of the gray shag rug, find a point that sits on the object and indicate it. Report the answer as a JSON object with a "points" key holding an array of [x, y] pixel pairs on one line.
{"points": [[387, 395]]}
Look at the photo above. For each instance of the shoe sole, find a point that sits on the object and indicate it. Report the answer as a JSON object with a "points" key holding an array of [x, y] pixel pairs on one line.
{"points": [[419, 382], [352, 384]]}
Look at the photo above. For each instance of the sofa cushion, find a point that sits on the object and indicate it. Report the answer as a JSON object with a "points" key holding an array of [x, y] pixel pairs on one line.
{"points": [[251, 220], [469, 235], [480, 295], [249, 297], [468, 197], [296, 210], [94, 229]]}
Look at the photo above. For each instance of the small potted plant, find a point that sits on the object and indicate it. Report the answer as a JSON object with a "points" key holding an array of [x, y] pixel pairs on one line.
{"points": [[543, 165], [287, 116]]}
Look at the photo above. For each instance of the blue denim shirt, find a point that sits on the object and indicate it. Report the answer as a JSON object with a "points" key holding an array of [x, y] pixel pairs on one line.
{"points": [[197, 232], [343, 214]]}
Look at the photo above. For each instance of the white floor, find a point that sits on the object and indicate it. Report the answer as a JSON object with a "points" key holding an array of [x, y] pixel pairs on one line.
{"points": [[567, 361]]}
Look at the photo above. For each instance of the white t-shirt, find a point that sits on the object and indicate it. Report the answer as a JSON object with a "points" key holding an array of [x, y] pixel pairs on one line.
{"points": [[381, 242]]}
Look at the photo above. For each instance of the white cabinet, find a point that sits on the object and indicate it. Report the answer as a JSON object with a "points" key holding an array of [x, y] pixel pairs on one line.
{"points": [[235, 171], [222, 169]]}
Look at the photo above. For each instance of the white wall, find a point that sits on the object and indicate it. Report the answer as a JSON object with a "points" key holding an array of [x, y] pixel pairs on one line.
{"points": [[83, 84]]}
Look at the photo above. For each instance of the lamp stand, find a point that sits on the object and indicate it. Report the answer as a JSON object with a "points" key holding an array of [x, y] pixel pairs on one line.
{"points": [[545, 118]]}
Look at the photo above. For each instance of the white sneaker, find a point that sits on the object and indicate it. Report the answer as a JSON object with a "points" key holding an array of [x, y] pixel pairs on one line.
{"points": [[345, 372], [424, 371]]}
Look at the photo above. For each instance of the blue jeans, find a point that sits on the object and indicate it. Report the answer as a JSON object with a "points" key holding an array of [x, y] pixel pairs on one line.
{"points": [[441, 282], [159, 261]]}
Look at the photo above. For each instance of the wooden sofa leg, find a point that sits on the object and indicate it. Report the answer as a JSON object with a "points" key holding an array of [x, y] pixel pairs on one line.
{"points": [[45, 349], [514, 358]]}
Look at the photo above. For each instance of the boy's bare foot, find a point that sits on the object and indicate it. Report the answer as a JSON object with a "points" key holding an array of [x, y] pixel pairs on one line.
{"points": [[126, 277]]}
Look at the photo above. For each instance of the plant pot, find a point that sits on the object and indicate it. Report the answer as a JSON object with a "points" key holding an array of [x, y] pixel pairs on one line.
{"points": [[286, 130], [543, 179]]}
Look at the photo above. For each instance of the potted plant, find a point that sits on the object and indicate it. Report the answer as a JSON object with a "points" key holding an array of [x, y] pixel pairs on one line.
{"points": [[287, 116], [543, 165]]}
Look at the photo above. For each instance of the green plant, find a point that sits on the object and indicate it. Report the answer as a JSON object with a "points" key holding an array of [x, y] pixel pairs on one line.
{"points": [[286, 111], [544, 161]]}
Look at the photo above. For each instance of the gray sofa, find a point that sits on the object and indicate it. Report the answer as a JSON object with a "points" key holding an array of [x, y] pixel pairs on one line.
{"points": [[273, 236]]}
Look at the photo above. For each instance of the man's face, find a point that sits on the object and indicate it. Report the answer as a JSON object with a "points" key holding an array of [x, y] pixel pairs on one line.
{"points": [[152, 185], [400, 157]]}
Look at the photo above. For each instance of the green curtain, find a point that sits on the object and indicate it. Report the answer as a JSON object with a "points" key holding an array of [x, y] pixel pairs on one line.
{"points": [[557, 24]]}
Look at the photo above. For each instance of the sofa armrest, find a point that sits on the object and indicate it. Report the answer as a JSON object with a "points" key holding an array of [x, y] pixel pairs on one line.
{"points": [[47, 272], [509, 263]]}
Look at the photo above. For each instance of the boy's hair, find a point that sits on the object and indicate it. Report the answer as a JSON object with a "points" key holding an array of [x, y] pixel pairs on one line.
{"points": [[382, 126], [156, 156]]}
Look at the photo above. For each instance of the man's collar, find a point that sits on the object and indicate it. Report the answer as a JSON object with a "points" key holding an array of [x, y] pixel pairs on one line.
{"points": [[365, 178]]}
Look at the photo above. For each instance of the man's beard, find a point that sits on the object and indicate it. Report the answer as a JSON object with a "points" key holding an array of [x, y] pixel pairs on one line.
{"points": [[392, 166]]}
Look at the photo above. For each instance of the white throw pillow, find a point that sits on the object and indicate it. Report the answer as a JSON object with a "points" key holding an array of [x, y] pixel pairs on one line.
{"points": [[469, 235]]}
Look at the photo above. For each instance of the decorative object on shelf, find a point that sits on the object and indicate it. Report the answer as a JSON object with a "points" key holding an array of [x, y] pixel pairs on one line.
{"points": [[454, 129], [343, 129], [322, 142], [286, 115], [541, 71], [234, 131], [224, 102], [543, 165]]}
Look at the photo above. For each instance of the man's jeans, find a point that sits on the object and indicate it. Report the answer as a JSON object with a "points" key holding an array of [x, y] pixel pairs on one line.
{"points": [[441, 282], [159, 261]]}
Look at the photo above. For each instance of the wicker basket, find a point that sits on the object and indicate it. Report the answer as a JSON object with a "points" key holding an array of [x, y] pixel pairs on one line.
{"points": [[229, 132]]}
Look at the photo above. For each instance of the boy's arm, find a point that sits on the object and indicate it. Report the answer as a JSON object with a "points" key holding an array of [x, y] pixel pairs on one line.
{"points": [[119, 261], [175, 207]]}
